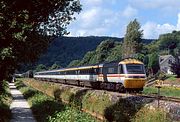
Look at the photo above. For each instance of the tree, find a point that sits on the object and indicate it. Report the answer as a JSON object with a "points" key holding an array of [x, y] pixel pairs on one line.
{"points": [[175, 66], [74, 63], [54, 66], [40, 67], [27, 26], [132, 40], [153, 63]]}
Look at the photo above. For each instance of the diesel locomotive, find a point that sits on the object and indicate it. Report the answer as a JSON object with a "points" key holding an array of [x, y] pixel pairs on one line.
{"points": [[127, 74]]}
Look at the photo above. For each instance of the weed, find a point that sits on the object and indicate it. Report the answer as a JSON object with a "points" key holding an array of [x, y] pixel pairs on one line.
{"points": [[146, 115], [164, 91], [5, 101]]}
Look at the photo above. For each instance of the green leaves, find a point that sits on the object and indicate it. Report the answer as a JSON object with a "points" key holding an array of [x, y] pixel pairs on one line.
{"points": [[108, 50], [6, 52], [132, 40], [22, 36]]}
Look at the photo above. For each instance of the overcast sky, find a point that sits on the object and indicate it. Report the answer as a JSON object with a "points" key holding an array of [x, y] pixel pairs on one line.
{"points": [[110, 17]]}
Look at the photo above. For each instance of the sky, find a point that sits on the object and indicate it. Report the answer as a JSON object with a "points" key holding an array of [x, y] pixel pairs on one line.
{"points": [[111, 17]]}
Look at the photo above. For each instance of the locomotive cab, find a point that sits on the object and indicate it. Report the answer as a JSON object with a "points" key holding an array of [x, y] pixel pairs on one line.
{"points": [[134, 74]]}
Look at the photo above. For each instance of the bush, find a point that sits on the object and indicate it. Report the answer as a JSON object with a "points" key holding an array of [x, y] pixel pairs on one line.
{"points": [[5, 101], [146, 115]]}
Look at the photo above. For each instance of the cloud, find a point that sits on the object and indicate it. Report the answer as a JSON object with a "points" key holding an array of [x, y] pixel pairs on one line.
{"points": [[98, 19], [129, 12], [111, 17], [152, 30]]}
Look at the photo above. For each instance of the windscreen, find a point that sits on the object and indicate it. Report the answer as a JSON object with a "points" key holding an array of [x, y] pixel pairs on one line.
{"points": [[135, 69]]}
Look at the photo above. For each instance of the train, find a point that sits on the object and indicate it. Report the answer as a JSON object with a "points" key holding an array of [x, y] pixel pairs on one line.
{"points": [[125, 75]]}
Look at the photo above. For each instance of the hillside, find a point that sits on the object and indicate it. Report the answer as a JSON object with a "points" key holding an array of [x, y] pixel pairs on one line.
{"points": [[65, 49], [110, 50]]}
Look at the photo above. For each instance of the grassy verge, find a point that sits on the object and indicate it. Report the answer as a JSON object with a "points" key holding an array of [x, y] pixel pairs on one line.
{"points": [[46, 108], [5, 101], [165, 91], [146, 115]]}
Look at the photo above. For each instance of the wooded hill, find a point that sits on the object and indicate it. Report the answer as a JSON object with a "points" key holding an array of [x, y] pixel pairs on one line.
{"points": [[63, 50], [110, 50]]}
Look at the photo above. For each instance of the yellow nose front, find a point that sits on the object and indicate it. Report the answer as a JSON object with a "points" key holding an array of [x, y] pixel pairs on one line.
{"points": [[134, 83]]}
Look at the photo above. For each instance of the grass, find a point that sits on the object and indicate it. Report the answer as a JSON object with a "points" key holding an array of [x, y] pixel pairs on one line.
{"points": [[146, 115], [46, 108], [5, 101], [70, 115], [171, 77], [164, 91]]}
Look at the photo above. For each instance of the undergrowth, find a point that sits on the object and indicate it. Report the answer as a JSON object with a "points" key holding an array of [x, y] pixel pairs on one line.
{"points": [[164, 91], [5, 101], [146, 115]]}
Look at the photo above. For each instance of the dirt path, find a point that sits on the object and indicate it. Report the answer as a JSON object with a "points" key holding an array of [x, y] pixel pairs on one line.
{"points": [[20, 109]]}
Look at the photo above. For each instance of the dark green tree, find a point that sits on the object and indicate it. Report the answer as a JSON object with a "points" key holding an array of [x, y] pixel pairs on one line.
{"points": [[24, 26], [40, 67], [74, 63], [132, 40], [153, 63], [175, 66], [54, 66]]}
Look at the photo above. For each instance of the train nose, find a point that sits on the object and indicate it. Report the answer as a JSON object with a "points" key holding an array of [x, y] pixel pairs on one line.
{"points": [[134, 83]]}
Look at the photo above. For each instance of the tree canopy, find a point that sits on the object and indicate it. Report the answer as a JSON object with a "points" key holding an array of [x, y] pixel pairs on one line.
{"points": [[132, 40], [26, 27]]}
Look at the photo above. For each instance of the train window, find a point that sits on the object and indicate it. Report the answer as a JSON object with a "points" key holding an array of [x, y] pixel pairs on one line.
{"points": [[96, 71], [121, 71], [111, 70], [100, 70], [71, 72]]}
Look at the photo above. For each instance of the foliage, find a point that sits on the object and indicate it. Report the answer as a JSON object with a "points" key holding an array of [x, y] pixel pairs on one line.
{"points": [[74, 63], [63, 50], [164, 91], [71, 115], [107, 50], [5, 101], [132, 40], [175, 66], [24, 28], [96, 102], [54, 66], [153, 64], [40, 67], [146, 115]]}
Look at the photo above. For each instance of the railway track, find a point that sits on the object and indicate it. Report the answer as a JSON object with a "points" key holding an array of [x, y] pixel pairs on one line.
{"points": [[165, 98], [154, 96]]}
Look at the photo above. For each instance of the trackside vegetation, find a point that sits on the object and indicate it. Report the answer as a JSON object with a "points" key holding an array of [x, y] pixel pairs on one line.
{"points": [[146, 115], [46, 108], [164, 91], [5, 101], [72, 100]]}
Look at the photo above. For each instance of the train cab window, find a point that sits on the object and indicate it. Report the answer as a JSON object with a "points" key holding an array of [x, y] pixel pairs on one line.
{"points": [[121, 71], [100, 70]]}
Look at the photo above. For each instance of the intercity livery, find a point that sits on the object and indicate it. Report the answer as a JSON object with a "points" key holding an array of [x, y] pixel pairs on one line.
{"points": [[126, 75]]}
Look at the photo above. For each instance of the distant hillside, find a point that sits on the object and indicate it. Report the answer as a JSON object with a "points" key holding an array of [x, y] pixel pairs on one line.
{"points": [[65, 49]]}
